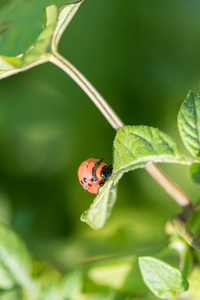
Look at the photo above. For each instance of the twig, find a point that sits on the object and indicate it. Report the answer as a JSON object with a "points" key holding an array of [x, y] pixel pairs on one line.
{"points": [[185, 232], [88, 88]]}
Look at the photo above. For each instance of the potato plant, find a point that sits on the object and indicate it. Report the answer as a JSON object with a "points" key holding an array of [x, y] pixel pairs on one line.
{"points": [[30, 33]]}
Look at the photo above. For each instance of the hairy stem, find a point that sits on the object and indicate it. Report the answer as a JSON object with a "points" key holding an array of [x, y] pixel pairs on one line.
{"points": [[175, 192]]}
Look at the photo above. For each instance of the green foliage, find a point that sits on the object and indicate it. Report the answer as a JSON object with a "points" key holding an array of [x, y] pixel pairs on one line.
{"points": [[134, 146], [21, 23], [24, 43], [40, 46], [189, 123], [55, 20], [161, 278], [101, 208]]}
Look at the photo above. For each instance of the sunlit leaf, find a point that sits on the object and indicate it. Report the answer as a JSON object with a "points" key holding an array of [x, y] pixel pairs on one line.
{"points": [[55, 20], [21, 23], [189, 123], [134, 146], [101, 207], [161, 278], [66, 13], [10, 65]]}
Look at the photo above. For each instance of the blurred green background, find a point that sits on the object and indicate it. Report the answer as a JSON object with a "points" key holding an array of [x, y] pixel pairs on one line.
{"points": [[143, 57]]}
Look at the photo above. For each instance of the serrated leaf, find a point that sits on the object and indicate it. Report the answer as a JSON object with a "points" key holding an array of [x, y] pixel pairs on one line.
{"points": [[134, 146], [161, 278], [189, 123], [54, 23], [195, 172], [101, 208], [14, 257]]}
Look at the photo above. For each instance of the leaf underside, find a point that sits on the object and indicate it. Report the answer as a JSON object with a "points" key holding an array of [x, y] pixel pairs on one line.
{"points": [[47, 35], [101, 208], [21, 23]]}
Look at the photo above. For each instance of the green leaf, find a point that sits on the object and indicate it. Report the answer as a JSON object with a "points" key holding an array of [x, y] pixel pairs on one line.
{"points": [[134, 146], [20, 23], [189, 123], [54, 23], [66, 13], [162, 279], [14, 257], [195, 172], [11, 65], [101, 208]]}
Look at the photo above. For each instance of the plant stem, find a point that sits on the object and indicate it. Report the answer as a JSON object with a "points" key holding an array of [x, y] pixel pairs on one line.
{"points": [[183, 229], [88, 88], [175, 192]]}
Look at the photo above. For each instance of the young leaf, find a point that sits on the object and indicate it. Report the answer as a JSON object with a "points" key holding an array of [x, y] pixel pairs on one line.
{"points": [[34, 53], [101, 208], [54, 24], [134, 146], [195, 172], [189, 123], [66, 13], [162, 279], [14, 257]]}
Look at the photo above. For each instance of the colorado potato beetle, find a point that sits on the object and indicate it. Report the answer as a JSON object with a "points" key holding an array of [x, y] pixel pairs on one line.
{"points": [[93, 173]]}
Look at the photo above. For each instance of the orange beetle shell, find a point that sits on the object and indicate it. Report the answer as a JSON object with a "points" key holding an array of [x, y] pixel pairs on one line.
{"points": [[90, 174]]}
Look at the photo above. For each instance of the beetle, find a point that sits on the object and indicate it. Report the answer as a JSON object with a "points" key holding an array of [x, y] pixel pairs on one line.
{"points": [[93, 173]]}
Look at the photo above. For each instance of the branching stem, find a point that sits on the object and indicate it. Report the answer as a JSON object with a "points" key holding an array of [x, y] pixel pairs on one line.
{"points": [[175, 192]]}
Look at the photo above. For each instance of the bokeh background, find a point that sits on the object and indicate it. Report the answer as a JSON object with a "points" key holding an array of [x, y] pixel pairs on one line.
{"points": [[143, 57]]}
